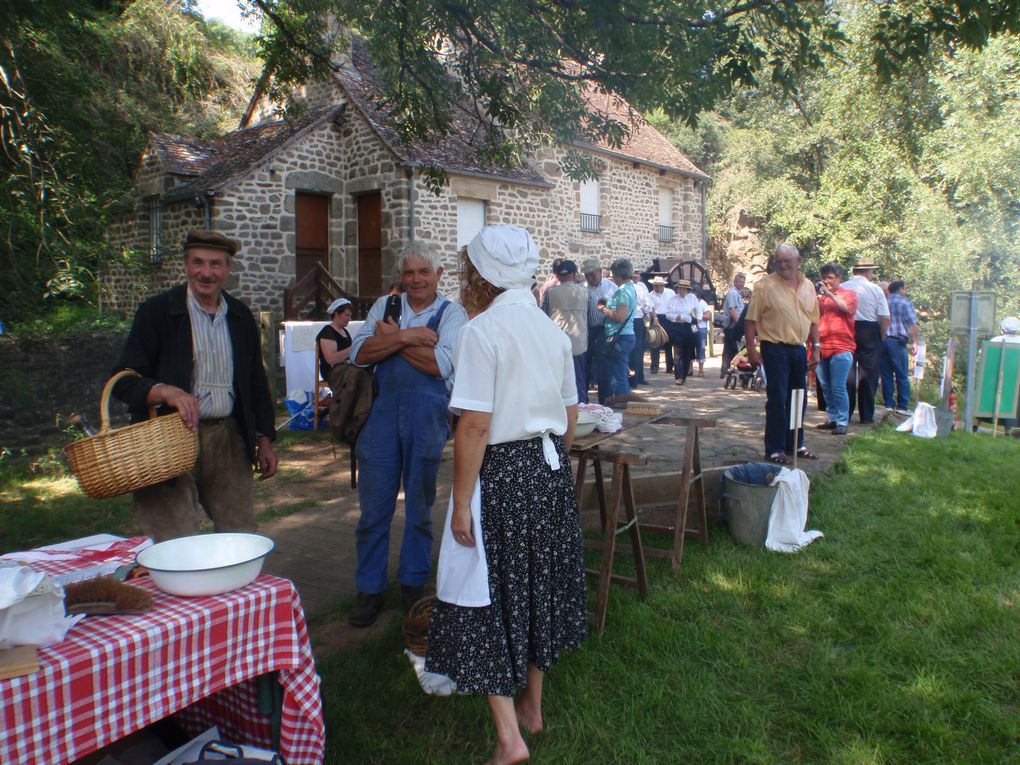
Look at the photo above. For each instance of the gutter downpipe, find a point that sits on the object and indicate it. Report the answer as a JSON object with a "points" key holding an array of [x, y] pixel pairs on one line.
{"points": [[410, 204], [704, 222], [203, 200]]}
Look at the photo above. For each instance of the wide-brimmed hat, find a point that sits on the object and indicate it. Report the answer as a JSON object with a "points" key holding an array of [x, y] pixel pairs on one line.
{"points": [[657, 281], [505, 256], [865, 264], [336, 305], [591, 265], [682, 283]]}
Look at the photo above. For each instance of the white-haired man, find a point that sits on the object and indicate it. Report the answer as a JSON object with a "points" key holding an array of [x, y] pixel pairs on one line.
{"points": [[402, 442]]}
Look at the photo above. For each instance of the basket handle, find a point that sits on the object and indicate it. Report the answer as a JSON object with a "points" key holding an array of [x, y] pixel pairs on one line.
{"points": [[104, 404]]}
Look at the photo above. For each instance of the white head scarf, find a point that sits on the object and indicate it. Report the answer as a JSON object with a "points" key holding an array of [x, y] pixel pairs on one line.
{"points": [[1010, 325], [505, 256]]}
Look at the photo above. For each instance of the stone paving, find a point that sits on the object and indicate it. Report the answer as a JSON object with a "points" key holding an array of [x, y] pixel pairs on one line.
{"points": [[315, 547]]}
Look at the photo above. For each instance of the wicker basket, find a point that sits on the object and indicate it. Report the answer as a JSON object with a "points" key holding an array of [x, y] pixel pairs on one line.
{"points": [[115, 462], [416, 625]]}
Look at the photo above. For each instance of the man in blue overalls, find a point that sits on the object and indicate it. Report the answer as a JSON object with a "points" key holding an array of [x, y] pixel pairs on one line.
{"points": [[403, 439]]}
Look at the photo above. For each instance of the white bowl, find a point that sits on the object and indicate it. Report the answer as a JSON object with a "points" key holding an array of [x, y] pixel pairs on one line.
{"points": [[586, 422], [207, 564]]}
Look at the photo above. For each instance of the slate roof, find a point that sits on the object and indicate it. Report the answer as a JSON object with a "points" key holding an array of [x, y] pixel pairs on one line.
{"points": [[212, 165], [457, 152]]}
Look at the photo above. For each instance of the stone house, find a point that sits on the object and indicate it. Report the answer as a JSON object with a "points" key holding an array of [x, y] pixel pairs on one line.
{"points": [[335, 186]]}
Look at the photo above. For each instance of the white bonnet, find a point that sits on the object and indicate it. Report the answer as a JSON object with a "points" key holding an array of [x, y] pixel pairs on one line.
{"points": [[505, 256], [1010, 325]]}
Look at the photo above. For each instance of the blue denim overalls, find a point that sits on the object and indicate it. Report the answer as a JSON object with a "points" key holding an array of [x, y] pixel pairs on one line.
{"points": [[402, 441]]}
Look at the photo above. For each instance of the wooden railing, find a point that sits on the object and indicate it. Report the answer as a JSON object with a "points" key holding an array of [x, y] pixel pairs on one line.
{"points": [[309, 297]]}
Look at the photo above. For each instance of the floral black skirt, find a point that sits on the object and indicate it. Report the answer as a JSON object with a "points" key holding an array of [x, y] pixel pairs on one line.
{"points": [[534, 551]]}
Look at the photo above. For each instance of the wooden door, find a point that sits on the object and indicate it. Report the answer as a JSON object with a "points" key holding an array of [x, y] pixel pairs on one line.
{"points": [[312, 226], [370, 245]]}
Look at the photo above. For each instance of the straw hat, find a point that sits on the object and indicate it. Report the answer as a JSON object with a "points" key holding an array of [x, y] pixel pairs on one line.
{"points": [[865, 264], [683, 283], [657, 281]]}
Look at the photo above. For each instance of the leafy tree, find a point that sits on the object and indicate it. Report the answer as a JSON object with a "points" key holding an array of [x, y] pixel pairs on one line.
{"points": [[525, 65], [81, 84]]}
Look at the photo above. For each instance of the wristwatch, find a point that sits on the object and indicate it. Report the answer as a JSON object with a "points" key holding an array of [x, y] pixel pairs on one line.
{"points": [[816, 345]]}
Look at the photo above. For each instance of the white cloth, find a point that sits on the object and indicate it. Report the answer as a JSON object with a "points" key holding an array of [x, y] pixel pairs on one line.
{"points": [[789, 513], [609, 421], [683, 309], [921, 423], [462, 576], [871, 302], [505, 256], [513, 361], [432, 683], [31, 608]]}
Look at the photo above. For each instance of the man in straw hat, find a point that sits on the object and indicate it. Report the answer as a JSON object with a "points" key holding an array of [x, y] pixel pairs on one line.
{"points": [[870, 324], [198, 352], [682, 312], [783, 314], [659, 298], [402, 442]]}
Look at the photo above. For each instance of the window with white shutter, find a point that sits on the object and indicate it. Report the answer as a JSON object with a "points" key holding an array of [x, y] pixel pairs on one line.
{"points": [[470, 219], [591, 213], [665, 215]]}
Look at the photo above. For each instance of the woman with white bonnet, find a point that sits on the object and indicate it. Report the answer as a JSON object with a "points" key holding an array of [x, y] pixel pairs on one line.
{"points": [[333, 342], [511, 589]]}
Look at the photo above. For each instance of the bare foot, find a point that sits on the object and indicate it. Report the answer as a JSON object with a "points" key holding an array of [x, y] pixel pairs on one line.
{"points": [[528, 718], [507, 755]]}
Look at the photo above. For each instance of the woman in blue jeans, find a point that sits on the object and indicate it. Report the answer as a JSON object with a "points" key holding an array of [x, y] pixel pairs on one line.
{"points": [[619, 328], [836, 334]]}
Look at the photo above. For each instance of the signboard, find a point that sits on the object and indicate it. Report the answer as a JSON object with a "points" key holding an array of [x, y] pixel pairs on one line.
{"points": [[998, 380], [983, 318]]}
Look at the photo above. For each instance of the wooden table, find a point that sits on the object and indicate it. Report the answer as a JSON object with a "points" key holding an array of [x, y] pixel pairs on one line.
{"points": [[599, 448]]}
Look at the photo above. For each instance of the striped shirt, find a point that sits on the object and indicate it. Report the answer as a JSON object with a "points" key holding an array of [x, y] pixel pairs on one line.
{"points": [[901, 316], [212, 377]]}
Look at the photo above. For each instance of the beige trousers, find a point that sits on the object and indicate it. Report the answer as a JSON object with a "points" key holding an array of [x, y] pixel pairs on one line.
{"points": [[220, 483]]}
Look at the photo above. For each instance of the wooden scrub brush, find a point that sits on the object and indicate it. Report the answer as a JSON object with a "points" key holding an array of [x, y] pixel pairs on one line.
{"points": [[105, 595], [640, 407]]}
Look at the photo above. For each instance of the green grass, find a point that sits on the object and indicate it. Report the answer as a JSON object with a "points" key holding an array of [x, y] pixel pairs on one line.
{"points": [[891, 640]]}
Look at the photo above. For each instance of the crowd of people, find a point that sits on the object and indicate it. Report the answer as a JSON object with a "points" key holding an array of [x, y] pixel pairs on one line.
{"points": [[512, 362]]}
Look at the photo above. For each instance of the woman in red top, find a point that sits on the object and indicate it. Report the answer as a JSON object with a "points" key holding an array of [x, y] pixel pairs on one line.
{"points": [[836, 334]]}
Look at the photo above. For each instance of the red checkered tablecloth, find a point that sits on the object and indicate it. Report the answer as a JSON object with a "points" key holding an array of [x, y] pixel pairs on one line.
{"points": [[113, 675]]}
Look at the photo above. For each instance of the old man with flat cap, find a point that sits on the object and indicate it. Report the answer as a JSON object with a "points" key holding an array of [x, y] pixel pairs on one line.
{"points": [[199, 357]]}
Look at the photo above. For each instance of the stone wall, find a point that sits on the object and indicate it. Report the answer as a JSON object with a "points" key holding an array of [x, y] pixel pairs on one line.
{"points": [[629, 199], [45, 381], [349, 159]]}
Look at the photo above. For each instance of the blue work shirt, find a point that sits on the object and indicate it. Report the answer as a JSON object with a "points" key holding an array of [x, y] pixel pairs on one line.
{"points": [[449, 329]]}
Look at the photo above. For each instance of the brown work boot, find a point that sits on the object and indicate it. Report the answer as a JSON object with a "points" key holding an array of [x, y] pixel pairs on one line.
{"points": [[366, 609]]}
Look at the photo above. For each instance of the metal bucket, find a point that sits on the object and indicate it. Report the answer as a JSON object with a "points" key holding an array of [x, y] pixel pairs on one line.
{"points": [[746, 500]]}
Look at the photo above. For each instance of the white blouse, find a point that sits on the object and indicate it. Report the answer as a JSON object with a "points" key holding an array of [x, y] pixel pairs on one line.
{"points": [[513, 361]]}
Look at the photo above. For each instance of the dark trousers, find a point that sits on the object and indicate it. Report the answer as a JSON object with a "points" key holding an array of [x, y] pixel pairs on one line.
{"points": [[862, 384], [730, 348], [785, 370], [685, 349], [581, 377], [595, 334], [670, 327], [637, 355]]}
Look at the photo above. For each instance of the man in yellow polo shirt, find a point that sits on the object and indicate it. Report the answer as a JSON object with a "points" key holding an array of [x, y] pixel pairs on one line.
{"points": [[783, 315]]}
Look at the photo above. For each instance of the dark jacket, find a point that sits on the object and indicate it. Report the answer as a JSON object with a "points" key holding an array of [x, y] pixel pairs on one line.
{"points": [[159, 349], [353, 393]]}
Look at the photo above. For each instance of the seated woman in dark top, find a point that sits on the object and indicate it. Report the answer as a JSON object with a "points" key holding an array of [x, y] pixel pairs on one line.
{"points": [[333, 343]]}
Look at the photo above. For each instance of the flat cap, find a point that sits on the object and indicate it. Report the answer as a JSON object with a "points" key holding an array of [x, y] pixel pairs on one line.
{"points": [[212, 239], [591, 265]]}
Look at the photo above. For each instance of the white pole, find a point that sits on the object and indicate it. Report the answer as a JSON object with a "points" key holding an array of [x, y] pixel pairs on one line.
{"points": [[796, 418]]}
